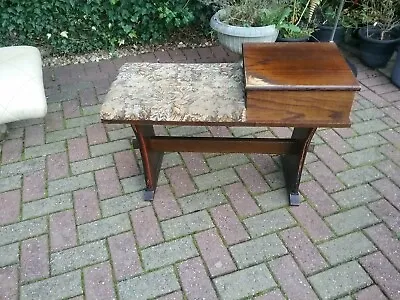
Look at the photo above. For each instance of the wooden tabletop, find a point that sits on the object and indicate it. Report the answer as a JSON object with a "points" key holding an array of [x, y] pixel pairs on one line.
{"points": [[296, 66]]}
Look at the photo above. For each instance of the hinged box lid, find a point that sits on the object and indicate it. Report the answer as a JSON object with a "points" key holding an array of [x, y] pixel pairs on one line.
{"points": [[296, 66]]}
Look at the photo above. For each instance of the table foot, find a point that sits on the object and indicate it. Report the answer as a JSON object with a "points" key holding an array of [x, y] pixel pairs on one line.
{"points": [[149, 195], [135, 143], [294, 199]]}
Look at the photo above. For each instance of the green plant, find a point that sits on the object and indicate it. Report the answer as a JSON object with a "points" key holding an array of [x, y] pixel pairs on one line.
{"points": [[350, 16], [325, 14], [381, 14], [252, 13], [298, 16], [247, 13], [74, 26]]}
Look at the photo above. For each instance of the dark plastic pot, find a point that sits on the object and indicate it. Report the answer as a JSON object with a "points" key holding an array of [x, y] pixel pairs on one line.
{"points": [[376, 53], [351, 37], [396, 70], [302, 39], [323, 34]]}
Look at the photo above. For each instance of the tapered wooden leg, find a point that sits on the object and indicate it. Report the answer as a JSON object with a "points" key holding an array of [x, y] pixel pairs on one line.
{"points": [[293, 163], [151, 158]]}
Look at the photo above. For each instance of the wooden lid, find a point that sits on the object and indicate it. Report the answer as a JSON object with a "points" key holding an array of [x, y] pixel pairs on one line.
{"points": [[296, 66]]}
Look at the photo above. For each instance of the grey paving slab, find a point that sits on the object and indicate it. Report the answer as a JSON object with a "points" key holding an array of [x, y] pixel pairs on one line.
{"points": [[226, 161], [22, 230], [23, 167], [70, 184], [202, 200], [134, 184], [9, 254], [170, 160], [351, 220], [187, 130], [149, 285], [119, 134], [187, 224], [340, 281], [10, 183], [46, 206], [345, 248], [65, 134], [360, 175], [121, 204], [366, 141], [257, 250], [92, 164], [103, 228], [168, 253], [82, 121], [244, 283], [91, 110], [274, 199], [110, 147], [269, 222], [78, 257], [355, 196], [215, 179], [57, 287], [363, 157], [43, 150]]}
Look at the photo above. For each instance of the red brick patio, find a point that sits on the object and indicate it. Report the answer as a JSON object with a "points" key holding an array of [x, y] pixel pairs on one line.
{"points": [[73, 224]]}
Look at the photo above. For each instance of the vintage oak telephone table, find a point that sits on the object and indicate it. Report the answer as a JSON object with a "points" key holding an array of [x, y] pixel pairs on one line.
{"points": [[300, 85]]}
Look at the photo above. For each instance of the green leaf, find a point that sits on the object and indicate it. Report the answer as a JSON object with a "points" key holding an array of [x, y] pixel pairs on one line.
{"points": [[132, 34]]}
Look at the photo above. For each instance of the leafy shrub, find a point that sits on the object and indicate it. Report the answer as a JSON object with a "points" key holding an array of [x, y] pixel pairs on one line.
{"points": [[73, 26], [247, 13]]}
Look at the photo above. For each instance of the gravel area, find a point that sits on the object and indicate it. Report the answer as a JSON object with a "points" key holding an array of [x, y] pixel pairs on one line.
{"points": [[186, 38]]}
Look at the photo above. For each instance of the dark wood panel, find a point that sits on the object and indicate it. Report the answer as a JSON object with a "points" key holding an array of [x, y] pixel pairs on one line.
{"points": [[317, 108], [224, 145], [254, 123]]}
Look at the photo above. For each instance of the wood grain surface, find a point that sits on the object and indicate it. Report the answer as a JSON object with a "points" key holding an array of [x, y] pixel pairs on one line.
{"points": [[296, 66], [302, 84]]}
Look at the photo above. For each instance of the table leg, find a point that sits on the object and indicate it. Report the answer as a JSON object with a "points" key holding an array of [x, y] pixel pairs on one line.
{"points": [[151, 158], [293, 163]]}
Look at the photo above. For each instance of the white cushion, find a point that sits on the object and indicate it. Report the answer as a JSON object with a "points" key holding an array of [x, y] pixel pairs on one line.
{"points": [[21, 84]]}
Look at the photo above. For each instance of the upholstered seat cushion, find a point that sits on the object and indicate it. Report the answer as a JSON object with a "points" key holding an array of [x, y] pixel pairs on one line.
{"points": [[165, 92], [21, 84]]}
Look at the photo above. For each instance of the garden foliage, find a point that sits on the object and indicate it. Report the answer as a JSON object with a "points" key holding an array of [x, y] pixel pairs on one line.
{"points": [[74, 26]]}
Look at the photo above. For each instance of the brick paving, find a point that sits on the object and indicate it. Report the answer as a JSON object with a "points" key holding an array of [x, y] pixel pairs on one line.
{"points": [[73, 224]]}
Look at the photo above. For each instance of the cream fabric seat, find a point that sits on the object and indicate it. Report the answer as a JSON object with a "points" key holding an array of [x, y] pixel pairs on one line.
{"points": [[22, 93]]}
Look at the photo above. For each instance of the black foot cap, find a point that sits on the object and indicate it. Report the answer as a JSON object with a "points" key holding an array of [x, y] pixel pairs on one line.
{"points": [[135, 143], [294, 199], [148, 195]]}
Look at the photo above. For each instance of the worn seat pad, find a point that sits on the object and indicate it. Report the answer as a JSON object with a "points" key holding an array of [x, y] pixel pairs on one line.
{"points": [[174, 92]]}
